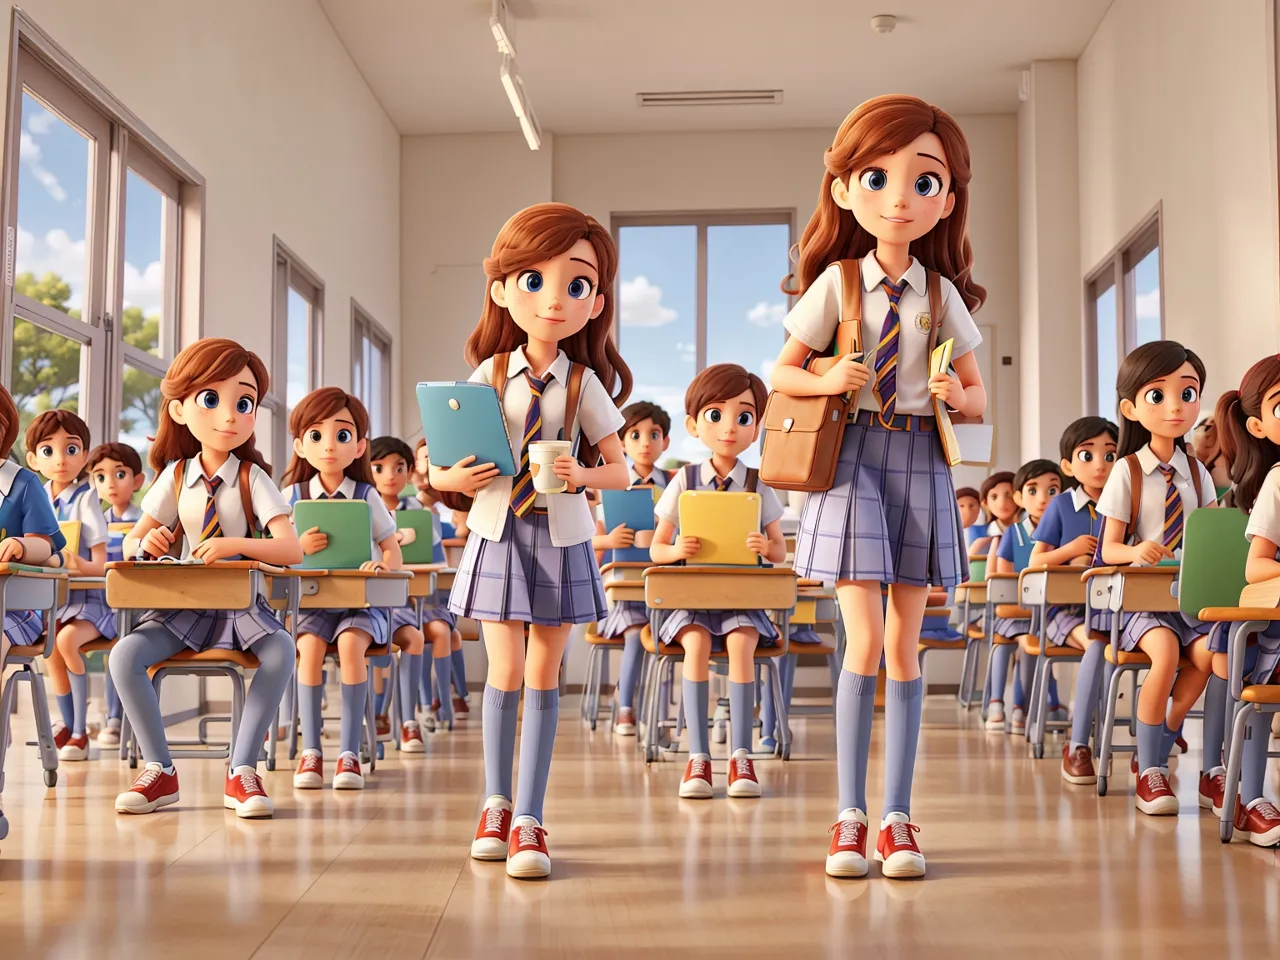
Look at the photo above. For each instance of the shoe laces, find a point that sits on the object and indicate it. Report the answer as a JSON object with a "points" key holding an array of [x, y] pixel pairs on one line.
{"points": [[147, 778], [1267, 810], [744, 766], [249, 782], [493, 819], [528, 835], [1156, 780], [900, 834], [697, 766], [850, 832]]}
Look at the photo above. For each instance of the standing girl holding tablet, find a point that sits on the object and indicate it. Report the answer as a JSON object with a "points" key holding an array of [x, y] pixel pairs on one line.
{"points": [[544, 342], [894, 198]]}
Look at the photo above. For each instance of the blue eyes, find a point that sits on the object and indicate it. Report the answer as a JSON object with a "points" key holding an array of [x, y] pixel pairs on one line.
{"points": [[244, 405], [712, 415], [208, 399], [579, 288], [344, 435], [928, 185], [1190, 394], [874, 179], [530, 281], [745, 419]]}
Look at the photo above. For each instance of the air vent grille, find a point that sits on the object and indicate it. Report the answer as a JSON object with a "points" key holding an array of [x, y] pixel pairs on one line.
{"points": [[709, 98]]}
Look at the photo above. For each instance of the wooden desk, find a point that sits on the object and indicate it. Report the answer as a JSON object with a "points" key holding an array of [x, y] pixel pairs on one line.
{"points": [[1045, 586], [624, 580], [1145, 589], [354, 589], [719, 588], [424, 583], [226, 585]]}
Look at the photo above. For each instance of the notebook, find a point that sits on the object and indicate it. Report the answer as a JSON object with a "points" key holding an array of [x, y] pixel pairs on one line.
{"points": [[347, 524], [422, 523], [721, 522], [635, 509], [461, 419], [71, 530]]}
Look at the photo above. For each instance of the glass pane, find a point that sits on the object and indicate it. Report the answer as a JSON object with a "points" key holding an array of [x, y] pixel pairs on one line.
{"points": [[1108, 360], [1145, 278], [745, 308], [45, 374], [139, 409], [299, 355], [144, 273], [657, 290], [53, 211], [373, 386]]}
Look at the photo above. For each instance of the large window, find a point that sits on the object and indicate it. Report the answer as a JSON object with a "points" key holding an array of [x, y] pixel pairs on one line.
{"points": [[371, 369], [1123, 307], [696, 291], [102, 272], [297, 317]]}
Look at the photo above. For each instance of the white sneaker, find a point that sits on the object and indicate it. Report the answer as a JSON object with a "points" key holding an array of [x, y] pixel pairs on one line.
{"points": [[696, 784], [897, 850], [626, 725], [1018, 721], [492, 834], [847, 856], [110, 734], [995, 715]]}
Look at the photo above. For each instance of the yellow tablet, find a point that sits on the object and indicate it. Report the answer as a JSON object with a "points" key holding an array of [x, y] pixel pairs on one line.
{"points": [[71, 530], [721, 522]]}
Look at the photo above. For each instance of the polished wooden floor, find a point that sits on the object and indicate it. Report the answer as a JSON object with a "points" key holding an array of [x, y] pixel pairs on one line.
{"points": [[1019, 864]]}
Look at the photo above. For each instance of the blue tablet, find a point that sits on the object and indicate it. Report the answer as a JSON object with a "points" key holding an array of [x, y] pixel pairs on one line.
{"points": [[633, 508], [462, 419]]}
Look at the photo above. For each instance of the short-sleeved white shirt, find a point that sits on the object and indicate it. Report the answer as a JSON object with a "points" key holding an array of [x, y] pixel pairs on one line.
{"points": [[161, 504], [1264, 519], [668, 507], [814, 318], [1116, 501], [87, 511], [568, 515], [382, 524]]}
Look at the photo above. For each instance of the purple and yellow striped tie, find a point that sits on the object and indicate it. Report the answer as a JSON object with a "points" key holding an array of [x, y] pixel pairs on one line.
{"points": [[211, 527], [721, 485], [886, 389], [522, 492], [1173, 517]]}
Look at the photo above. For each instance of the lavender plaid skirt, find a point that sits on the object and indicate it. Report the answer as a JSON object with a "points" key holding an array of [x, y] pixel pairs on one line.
{"points": [[1137, 625], [23, 627], [805, 634], [408, 616], [1062, 620], [91, 607], [330, 623], [1009, 628], [1264, 648], [718, 623], [526, 578], [217, 629], [890, 516], [623, 616]]}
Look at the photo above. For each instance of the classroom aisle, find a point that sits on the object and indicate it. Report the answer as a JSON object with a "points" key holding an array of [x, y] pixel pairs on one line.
{"points": [[1014, 859]]}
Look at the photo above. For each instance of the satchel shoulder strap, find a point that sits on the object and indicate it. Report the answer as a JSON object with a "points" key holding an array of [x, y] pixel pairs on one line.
{"points": [[1194, 466], [179, 475], [574, 388], [850, 303], [933, 283], [753, 479], [500, 373], [691, 476], [246, 495]]}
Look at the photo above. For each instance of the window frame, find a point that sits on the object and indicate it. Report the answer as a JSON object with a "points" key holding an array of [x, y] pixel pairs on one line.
{"points": [[289, 272], [365, 327]]}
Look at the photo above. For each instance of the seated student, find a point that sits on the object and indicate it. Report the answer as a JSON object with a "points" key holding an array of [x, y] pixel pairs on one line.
{"points": [[330, 431], [1035, 486], [116, 471], [723, 407], [998, 505], [212, 492], [646, 434], [58, 448], [969, 501]]}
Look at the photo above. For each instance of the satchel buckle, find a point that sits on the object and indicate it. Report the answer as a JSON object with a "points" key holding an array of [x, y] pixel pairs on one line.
{"points": [[787, 424]]}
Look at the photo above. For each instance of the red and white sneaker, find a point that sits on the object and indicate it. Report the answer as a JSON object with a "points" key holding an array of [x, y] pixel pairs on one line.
{"points": [[1213, 787], [310, 772], [411, 738], [382, 725], [1259, 823], [152, 790], [896, 848], [110, 734], [347, 776], [626, 725], [61, 734], [742, 775], [1154, 796], [494, 830], [527, 854], [847, 855], [696, 784], [461, 707], [246, 795], [76, 748]]}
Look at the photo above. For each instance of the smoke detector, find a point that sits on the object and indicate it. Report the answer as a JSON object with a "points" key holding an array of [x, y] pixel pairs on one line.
{"points": [[884, 23]]}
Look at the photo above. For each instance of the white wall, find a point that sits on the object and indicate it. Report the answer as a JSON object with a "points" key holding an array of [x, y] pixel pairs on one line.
{"points": [[1177, 107]]}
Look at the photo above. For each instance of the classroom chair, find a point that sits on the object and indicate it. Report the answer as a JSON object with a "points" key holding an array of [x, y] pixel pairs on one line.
{"points": [[1000, 599], [816, 605], [967, 595], [623, 580]]}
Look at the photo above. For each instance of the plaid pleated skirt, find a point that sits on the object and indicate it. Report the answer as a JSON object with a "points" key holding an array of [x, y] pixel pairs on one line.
{"points": [[891, 514], [23, 627], [623, 616], [1009, 627], [217, 629], [805, 634], [330, 623], [408, 617], [526, 578], [1060, 621], [91, 607], [1135, 626], [718, 623]]}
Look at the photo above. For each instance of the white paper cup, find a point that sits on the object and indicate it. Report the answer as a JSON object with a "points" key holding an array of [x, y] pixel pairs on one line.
{"points": [[542, 454]]}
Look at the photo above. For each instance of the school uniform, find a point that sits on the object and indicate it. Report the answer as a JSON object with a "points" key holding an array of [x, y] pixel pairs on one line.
{"points": [[330, 623], [718, 623], [529, 556], [1167, 498], [79, 503], [25, 511], [1070, 515], [628, 614], [1015, 547], [115, 541], [439, 608], [1264, 521]]}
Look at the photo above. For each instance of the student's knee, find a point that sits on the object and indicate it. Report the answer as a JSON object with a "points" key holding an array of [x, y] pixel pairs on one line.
{"points": [[409, 639], [275, 651], [1162, 646], [130, 657], [455, 640], [352, 645], [696, 642], [311, 651]]}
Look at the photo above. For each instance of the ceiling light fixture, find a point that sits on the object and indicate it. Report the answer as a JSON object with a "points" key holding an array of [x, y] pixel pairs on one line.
{"points": [[501, 33], [514, 86], [884, 23]]}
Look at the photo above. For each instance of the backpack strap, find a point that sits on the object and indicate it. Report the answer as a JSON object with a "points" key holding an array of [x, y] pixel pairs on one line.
{"points": [[246, 496], [179, 475], [500, 373], [933, 284], [753, 478], [1135, 494], [691, 476], [1194, 466]]}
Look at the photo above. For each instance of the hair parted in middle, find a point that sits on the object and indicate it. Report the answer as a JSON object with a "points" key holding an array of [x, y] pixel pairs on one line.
{"points": [[1151, 361], [316, 407]]}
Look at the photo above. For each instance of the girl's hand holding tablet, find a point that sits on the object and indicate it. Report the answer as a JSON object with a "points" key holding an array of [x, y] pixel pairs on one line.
{"points": [[313, 541], [947, 389], [465, 476], [687, 547], [620, 537], [757, 543]]}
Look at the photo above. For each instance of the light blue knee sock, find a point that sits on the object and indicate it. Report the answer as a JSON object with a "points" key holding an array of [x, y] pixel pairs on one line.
{"points": [[130, 658], [1167, 738], [79, 701], [501, 708], [696, 701], [353, 703], [629, 672], [459, 672], [1253, 762], [741, 701], [1053, 690], [1000, 657], [380, 699], [114, 710], [424, 684], [541, 716], [768, 711], [67, 709], [904, 700], [309, 718], [1088, 682], [1150, 737], [1023, 679], [410, 677], [855, 707], [444, 676], [276, 655], [1215, 721]]}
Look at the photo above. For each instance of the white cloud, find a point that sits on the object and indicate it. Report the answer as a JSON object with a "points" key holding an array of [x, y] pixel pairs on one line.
{"points": [[41, 123], [55, 252], [144, 288], [766, 368], [767, 314], [29, 152], [1147, 305], [688, 352], [640, 304]]}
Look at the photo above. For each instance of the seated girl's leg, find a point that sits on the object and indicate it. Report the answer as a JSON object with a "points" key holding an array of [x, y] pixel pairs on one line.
{"points": [[541, 716], [61, 683], [1088, 686], [1001, 655], [311, 651], [459, 664], [381, 692], [68, 641], [276, 657], [353, 643], [130, 658], [629, 672], [1163, 646], [410, 641], [696, 642], [741, 646], [114, 710], [440, 635]]}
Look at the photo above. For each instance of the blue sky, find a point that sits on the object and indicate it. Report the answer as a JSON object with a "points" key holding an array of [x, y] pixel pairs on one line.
{"points": [[657, 298]]}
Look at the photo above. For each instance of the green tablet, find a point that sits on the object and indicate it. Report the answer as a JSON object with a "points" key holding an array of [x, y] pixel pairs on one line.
{"points": [[422, 523], [348, 526]]}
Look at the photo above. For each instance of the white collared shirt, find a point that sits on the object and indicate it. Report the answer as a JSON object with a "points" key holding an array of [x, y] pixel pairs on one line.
{"points": [[165, 507], [668, 507], [814, 318], [1080, 498], [569, 516], [132, 514], [1264, 519], [8, 473], [658, 477], [87, 511], [381, 523], [1116, 501]]}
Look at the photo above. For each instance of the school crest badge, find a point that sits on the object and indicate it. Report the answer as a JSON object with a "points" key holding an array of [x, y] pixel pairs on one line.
{"points": [[923, 323]]}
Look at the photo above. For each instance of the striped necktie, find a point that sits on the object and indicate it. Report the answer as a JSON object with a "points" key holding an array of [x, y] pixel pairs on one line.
{"points": [[522, 492], [65, 506], [1173, 516], [721, 485], [211, 527], [886, 389]]}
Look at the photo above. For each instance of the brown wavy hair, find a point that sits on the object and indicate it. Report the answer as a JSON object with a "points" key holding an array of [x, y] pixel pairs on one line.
{"points": [[46, 424], [1151, 361], [1250, 457], [201, 365], [320, 405], [533, 235], [879, 126], [9, 422]]}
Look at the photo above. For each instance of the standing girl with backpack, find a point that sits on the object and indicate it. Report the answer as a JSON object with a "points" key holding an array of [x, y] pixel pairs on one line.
{"points": [[888, 243], [544, 342]]}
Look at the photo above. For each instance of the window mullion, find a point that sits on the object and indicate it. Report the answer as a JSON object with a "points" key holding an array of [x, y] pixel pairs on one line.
{"points": [[701, 298]]}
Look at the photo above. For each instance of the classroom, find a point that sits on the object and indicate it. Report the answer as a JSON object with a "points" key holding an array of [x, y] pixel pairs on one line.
{"points": [[425, 391]]}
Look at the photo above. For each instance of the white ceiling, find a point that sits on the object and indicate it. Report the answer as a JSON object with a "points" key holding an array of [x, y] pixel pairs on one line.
{"points": [[433, 64]]}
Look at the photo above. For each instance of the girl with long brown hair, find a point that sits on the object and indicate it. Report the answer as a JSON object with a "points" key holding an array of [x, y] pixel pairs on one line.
{"points": [[893, 205], [546, 325], [209, 475], [330, 461]]}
